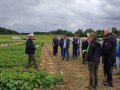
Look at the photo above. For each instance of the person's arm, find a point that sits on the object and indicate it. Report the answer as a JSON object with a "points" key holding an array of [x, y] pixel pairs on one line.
{"points": [[68, 43]]}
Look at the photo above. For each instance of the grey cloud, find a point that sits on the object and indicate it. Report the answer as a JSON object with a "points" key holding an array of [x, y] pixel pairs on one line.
{"points": [[36, 15]]}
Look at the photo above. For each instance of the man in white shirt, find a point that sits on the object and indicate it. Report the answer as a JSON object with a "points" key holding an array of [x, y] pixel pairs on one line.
{"points": [[65, 48]]}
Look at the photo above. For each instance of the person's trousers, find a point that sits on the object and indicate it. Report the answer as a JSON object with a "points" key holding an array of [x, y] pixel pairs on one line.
{"points": [[108, 70], [55, 50], [61, 51], [31, 58], [84, 56], [78, 51], [118, 62], [93, 73], [65, 53], [75, 52]]}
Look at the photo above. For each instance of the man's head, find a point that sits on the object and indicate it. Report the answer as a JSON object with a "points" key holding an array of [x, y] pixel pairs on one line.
{"points": [[83, 39], [65, 36], [75, 35], [118, 36], [92, 36], [31, 35], [55, 37], [107, 31]]}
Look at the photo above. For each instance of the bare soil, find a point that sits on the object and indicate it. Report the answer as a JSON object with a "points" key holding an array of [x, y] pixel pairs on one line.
{"points": [[76, 74]]}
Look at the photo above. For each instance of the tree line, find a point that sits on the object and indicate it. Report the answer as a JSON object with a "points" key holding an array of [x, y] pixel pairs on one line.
{"points": [[80, 32], [7, 31]]}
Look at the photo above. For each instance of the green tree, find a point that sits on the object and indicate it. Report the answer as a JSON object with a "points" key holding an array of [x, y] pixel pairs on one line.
{"points": [[88, 31], [114, 30], [80, 33]]}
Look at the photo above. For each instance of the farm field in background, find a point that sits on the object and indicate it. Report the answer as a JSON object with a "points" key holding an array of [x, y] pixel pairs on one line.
{"points": [[12, 62]]}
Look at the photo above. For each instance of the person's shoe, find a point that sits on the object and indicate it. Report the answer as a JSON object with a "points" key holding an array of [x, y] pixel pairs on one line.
{"points": [[111, 85], [67, 59], [105, 83], [90, 87], [95, 86]]}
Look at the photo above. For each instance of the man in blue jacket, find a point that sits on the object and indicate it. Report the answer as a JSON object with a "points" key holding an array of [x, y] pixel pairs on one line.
{"points": [[65, 48], [30, 51]]}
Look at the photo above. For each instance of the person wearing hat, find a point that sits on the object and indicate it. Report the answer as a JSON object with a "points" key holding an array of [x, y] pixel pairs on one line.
{"points": [[30, 51]]}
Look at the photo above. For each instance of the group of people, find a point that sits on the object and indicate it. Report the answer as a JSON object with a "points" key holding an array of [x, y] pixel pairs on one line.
{"points": [[92, 51], [64, 44]]}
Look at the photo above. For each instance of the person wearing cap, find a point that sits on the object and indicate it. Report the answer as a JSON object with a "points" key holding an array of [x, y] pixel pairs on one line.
{"points": [[108, 55], [30, 51]]}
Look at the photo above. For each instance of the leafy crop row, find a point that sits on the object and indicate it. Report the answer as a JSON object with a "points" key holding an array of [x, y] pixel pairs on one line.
{"points": [[12, 74]]}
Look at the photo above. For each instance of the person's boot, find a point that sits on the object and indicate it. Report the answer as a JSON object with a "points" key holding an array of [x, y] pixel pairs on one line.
{"points": [[90, 87], [111, 84], [106, 83]]}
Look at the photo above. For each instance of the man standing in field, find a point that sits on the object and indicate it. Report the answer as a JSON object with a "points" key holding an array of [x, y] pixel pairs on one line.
{"points": [[55, 46], [30, 51], [61, 45], [66, 43], [77, 45], [108, 55], [84, 50]]}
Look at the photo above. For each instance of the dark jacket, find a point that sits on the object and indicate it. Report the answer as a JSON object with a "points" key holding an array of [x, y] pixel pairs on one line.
{"points": [[85, 45], [109, 47], [73, 42], [61, 43], [30, 48], [55, 42], [67, 43], [94, 52]]}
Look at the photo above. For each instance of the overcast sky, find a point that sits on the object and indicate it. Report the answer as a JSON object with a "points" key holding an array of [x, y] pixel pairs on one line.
{"points": [[46, 15]]}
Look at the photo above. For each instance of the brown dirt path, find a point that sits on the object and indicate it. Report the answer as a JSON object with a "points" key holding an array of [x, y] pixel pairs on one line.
{"points": [[76, 75], [47, 59]]}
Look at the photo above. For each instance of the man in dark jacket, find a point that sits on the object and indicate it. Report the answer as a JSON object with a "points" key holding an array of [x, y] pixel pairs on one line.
{"points": [[84, 50], [66, 43], [108, 55], [93, 57], [55, 46], [30, 51], [61, 45], [73, 47]]}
